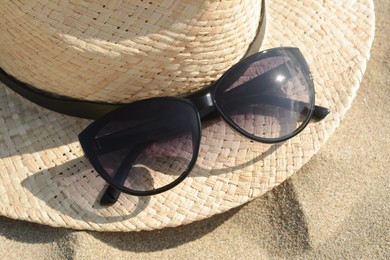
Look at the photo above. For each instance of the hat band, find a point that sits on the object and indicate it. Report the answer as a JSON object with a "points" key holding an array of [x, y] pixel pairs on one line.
{"points": [[60, 104], [91, 109]]}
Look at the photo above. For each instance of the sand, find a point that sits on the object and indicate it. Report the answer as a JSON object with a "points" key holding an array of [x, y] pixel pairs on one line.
{"points": [[336, 206]]}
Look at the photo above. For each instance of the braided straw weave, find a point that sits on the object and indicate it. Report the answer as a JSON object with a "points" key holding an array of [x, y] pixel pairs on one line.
{"points": [[121, 51], [44, 177]]}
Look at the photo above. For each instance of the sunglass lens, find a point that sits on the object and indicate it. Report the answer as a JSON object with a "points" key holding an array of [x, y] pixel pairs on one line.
{"points": [[149, 145], [271, 99]]}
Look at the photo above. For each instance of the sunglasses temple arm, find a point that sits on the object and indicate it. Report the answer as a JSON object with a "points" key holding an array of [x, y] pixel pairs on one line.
{"points": [[301, 107], [154, 130], [111, 194], [320, 112]]}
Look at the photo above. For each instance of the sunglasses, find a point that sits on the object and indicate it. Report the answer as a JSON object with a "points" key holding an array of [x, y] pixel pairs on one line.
{"points": [[150, 146]]}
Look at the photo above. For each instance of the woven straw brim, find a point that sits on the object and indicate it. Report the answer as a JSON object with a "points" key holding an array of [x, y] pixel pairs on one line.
{"points": [[44, 177]]}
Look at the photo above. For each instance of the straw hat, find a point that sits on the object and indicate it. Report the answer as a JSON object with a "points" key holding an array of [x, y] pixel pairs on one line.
{"points": [[127, 50]]}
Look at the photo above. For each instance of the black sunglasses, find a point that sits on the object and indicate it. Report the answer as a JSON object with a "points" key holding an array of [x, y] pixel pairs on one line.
{"points": [[150, 146]]}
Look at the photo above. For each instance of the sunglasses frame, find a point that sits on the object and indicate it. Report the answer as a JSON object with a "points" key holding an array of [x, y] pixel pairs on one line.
{"points": [[204, 103]]}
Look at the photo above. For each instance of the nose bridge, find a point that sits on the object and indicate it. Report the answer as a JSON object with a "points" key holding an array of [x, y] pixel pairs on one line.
{"points": [[204, 104]]}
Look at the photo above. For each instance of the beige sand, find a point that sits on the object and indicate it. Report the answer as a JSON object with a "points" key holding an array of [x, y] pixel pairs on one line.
{"points": [[336, 206]]}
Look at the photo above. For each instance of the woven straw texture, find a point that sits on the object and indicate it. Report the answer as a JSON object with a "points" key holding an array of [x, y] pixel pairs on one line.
{"points": [[44, 177], [122, 51]]}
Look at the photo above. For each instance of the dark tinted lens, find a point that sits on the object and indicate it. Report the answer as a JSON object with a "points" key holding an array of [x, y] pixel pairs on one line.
{"points": [[149, 145], [271, 99]]}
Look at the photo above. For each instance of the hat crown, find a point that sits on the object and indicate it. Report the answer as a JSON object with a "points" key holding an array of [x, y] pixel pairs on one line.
{"points": [[120, 51]]}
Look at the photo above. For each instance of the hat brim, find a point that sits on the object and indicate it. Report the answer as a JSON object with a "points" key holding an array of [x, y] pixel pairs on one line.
{"points": [[45, 178]]}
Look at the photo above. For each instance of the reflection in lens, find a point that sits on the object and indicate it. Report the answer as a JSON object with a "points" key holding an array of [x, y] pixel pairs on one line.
{"points": [[147, 150], [271, 99]]}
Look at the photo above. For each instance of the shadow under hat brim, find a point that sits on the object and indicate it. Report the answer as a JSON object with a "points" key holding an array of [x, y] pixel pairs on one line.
{"points": [[45, 178]]}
